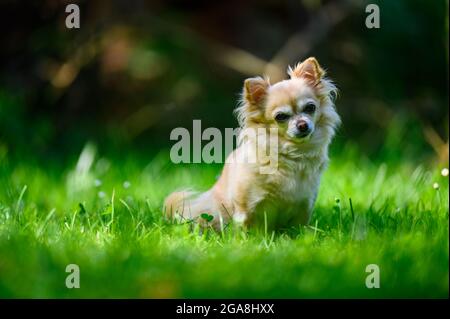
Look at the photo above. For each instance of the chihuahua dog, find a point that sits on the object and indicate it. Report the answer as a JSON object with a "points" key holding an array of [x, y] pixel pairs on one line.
{"points": [[296, 119]]}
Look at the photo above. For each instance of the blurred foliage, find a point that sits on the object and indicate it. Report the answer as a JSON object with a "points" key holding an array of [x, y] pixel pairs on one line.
{"points": [[135, 70]]}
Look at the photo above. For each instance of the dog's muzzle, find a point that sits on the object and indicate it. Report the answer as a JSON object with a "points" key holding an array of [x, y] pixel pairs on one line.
{"points": [[303, 128]]}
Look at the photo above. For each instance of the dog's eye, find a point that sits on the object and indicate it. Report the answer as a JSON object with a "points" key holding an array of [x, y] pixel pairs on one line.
{"points": [[282, 117], [309, 108]]}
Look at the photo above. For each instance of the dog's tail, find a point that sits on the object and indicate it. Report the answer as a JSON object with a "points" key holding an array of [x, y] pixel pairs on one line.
{"points": [[188, 205]]}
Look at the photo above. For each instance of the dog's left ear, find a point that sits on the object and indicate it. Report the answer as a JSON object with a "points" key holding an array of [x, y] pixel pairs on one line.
{"points": [[309, 70], [255, 91]]}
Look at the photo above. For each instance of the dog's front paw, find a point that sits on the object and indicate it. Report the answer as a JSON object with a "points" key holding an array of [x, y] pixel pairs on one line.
{"points": [[240, 218]]}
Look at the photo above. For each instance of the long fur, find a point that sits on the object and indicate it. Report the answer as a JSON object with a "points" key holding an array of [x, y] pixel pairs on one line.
{"points": [[242, 193]]}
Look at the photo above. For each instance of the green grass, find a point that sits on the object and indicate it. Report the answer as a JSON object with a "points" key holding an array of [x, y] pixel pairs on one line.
{"points": [[106, 218]]}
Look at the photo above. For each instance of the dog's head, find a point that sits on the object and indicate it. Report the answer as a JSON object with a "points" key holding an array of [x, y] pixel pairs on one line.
{"points": [[301, 108]]}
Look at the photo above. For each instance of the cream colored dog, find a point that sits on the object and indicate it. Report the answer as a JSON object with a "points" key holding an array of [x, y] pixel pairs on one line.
{"points": [[301, 112]]}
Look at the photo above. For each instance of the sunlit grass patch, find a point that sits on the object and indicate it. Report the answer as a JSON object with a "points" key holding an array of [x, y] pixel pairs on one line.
{"points": [[104, 214]]}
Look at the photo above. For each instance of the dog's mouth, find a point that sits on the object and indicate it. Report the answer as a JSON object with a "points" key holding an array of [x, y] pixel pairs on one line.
{"points": [[302, 137]]}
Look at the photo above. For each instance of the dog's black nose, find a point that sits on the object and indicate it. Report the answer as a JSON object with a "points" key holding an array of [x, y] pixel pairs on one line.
{"points": [[302, 126]]}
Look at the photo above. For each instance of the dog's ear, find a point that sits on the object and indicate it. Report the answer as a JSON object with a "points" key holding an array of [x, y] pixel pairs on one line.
{"points": [[309, 70], [255, 91]]}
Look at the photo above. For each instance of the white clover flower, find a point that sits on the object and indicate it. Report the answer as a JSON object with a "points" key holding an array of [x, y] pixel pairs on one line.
{"points": [[126, 184], [444, 172], [436, 186]]}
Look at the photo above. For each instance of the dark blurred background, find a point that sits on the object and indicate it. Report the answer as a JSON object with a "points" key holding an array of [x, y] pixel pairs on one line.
{"points": [[137, 69]]}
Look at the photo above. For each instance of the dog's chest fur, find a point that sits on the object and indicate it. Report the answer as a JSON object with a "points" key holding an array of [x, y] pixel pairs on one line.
{"points": [[290, 193], [296, 179]]}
